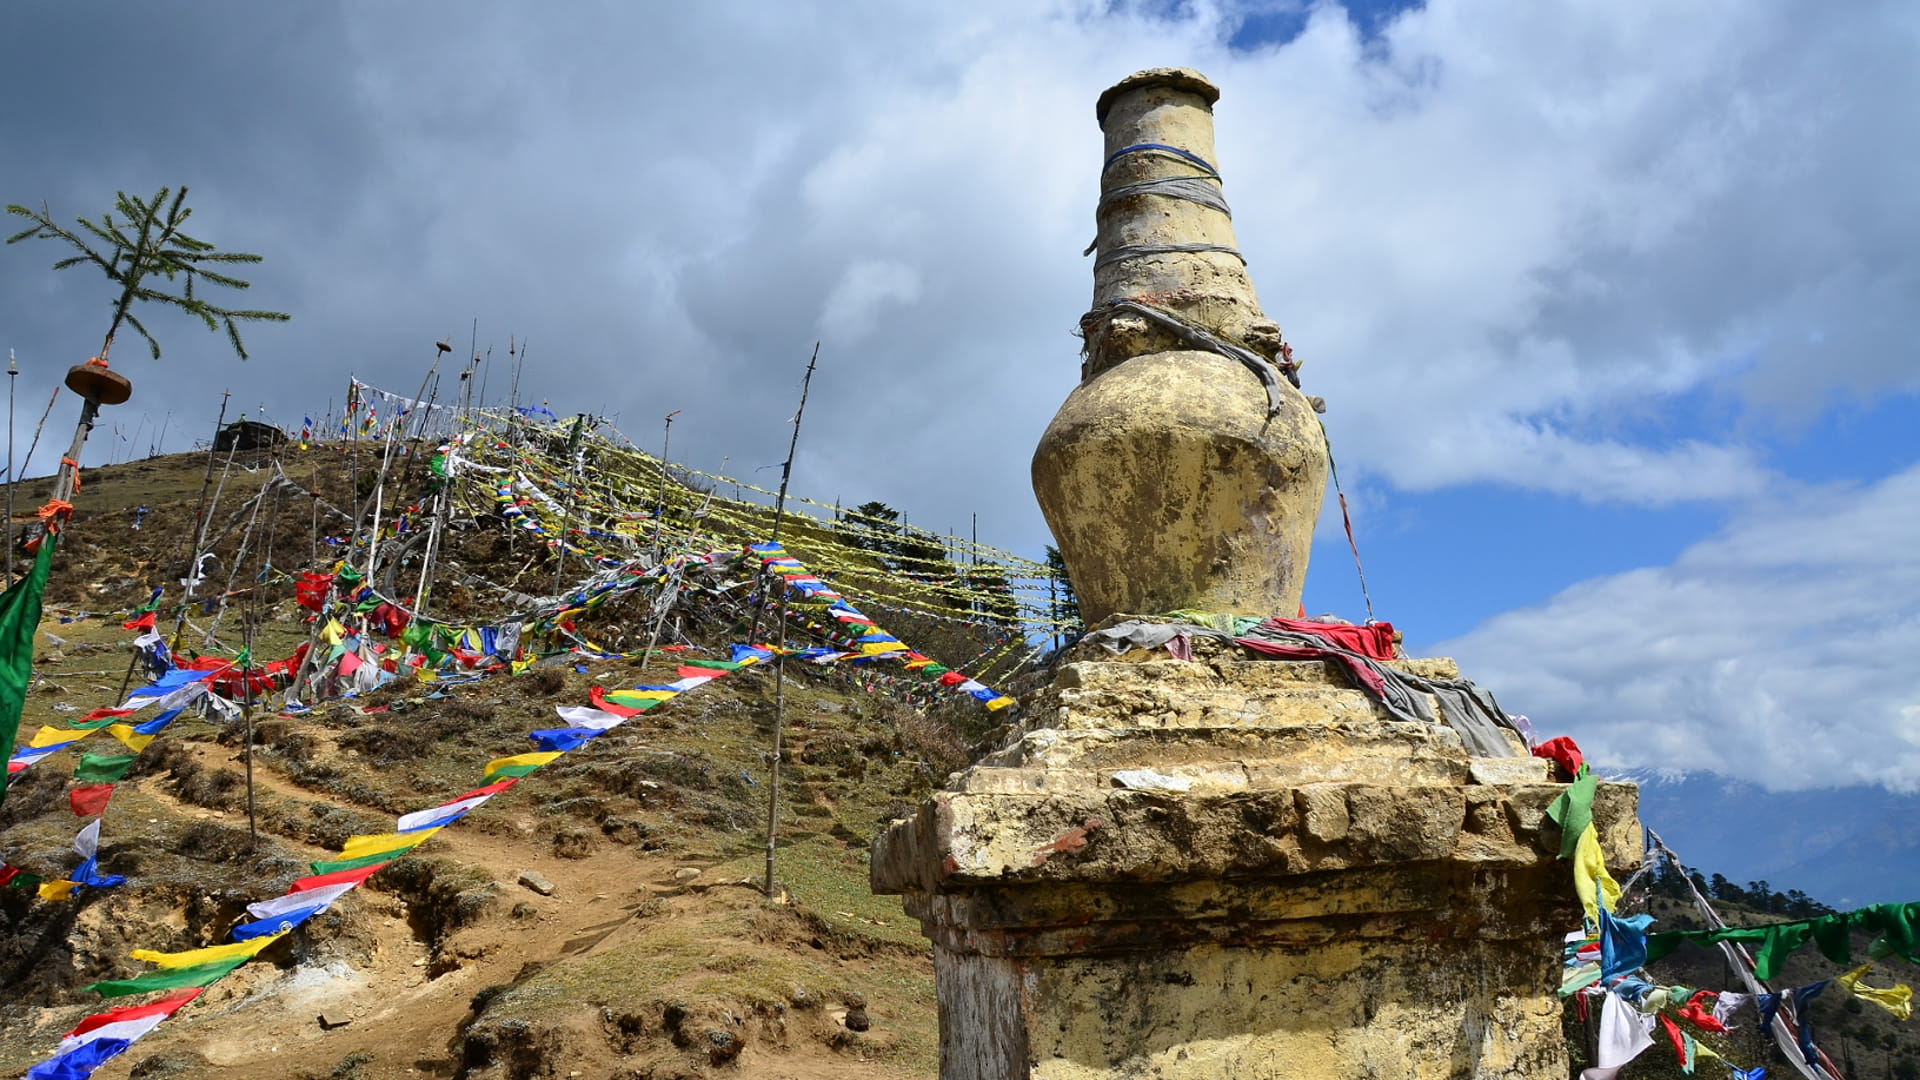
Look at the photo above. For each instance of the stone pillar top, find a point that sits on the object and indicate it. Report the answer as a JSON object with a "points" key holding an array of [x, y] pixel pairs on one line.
{"points": [[1175, 78]]}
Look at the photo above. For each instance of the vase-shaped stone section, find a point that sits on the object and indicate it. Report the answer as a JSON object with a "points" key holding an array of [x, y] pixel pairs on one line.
{"points": [[1175, 477]]}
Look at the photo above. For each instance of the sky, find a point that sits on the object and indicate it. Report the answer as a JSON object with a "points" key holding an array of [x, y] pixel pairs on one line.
{"points": [[1612, 303]]}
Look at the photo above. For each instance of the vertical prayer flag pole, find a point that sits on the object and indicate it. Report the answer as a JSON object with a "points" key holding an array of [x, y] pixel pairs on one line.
{"points": [[660, 507], [197, 534], [786, 469], [779, 731], [786, 473], [13, 376]]}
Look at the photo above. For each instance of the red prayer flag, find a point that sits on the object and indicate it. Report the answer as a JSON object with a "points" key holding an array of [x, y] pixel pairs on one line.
{"points": [[1563, 750], [1700, 1014], [494, 788], [1673, 1033], [599, 699], [163, 1007], [89, 799], [143, 621]]}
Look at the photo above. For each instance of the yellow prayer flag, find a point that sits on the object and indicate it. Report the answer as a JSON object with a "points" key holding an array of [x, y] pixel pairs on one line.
{"points": [[51, 736], [1897, 999], [133, 740], [208, 955], [536, 758], [358, 847], [1591, 882], [57, 890], [334, 633]]}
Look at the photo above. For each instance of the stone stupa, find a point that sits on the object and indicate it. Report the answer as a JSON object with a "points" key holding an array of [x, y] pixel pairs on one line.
{"points": [[1225, 866]]}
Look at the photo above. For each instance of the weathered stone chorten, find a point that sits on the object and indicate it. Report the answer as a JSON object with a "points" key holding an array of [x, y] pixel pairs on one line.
{"points": [[1227, 866], [1171, 477]]}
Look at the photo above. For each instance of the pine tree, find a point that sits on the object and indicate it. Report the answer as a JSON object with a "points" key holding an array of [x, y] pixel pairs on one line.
{"points": [[1066, 608], [146, 245], [149, 243]]}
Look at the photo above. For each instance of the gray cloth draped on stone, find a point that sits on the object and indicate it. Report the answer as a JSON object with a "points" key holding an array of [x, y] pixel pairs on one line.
{"points": [[1468, 709]]}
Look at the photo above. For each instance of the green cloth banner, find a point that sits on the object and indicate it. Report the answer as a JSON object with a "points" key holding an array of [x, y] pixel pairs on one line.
{"points": [[102, 768], [19, 619], [169, 978], [1898, 925], [1573, 812]]}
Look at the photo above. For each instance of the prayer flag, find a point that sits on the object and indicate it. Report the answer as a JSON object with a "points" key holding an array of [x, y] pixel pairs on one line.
{"points": [[19, 618], [169, 978], [128, 737], [89, 799], [378, 843], [102, 768], [518, 764], [212, 954]]}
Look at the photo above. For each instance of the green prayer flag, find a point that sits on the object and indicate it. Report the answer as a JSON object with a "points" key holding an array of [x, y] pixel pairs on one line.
{"points": [[355, 864], [169, 978], [716, 665], [102, 768], [1573, 812], [19, 619]]}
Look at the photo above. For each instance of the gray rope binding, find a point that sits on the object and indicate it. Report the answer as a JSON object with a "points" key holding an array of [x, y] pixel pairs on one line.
{"points": [[1201, 338]]}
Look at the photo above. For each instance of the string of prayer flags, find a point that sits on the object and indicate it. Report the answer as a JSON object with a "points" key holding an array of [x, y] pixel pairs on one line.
{"points": [[1897, 924], [874, 642]]}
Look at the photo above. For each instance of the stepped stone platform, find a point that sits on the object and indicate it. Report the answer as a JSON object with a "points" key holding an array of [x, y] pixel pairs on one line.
{"points": [[1233, 867]]}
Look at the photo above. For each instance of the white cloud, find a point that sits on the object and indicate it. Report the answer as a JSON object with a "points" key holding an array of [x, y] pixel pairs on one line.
{"points": [[1775, 651], [1499, 234], [853, 307]]}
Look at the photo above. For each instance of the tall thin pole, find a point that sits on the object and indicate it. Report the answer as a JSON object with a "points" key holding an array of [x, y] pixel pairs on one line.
{"points": [[27, 462], [660, 507], [779, 730], [780, 503], [786, 469], [198, 532], [159, 443], [13, 376]]}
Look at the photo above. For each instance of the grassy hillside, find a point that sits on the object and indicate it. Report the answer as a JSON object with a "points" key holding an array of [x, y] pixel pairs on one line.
{"points": [[648, 949]]}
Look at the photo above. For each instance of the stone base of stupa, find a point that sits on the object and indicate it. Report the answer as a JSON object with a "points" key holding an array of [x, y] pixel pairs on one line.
{"points": [[1231, 867]]}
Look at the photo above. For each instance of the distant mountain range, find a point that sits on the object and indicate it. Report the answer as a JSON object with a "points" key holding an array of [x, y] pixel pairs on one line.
{"points": [[1845, 847]]}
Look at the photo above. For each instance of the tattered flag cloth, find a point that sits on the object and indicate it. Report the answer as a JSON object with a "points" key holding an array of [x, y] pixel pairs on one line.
{"points": [[19, 618], [142, 617], [1897, 999]]}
